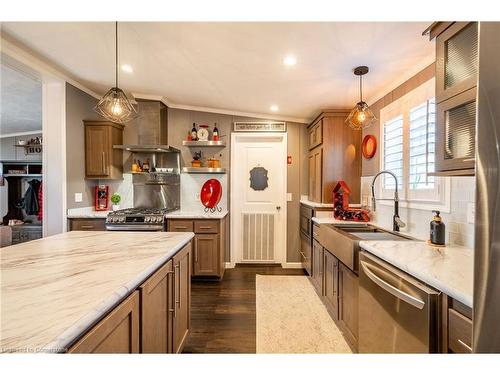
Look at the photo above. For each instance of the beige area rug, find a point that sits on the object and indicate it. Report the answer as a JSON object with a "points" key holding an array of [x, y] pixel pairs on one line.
{"points": [[292, 319]]}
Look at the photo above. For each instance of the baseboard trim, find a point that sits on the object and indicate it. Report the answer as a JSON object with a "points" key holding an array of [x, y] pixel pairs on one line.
{"points": [[229, 265], [292, 265]]}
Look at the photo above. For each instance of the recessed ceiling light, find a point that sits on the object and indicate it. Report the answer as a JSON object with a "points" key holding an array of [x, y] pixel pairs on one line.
{"points": [[289, 60], [127, 68], [274, 108]]}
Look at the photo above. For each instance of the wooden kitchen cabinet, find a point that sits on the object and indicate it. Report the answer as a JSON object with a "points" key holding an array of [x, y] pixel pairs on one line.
{"points": [[118, 332], [206, 255], [315, 174], [155, 318], [456, 91], [317, 267], [348, 303], [335, 156], [331, 284], [182, 297], [87, 224], [455, 326], [315, 133], [157, 311], [210, 240], [102, 161]]}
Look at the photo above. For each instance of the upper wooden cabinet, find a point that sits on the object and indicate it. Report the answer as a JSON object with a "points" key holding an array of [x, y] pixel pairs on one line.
{"points": [[335, 155], [456, 91], [456, 60], [101, 160], [315, 132]]}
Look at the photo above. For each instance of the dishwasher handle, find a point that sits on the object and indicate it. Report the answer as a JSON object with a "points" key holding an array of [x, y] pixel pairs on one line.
{"points": [[392, 289]]}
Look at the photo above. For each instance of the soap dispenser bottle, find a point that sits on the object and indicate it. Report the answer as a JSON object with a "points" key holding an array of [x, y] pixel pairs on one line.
{"points": [[437, 230]]}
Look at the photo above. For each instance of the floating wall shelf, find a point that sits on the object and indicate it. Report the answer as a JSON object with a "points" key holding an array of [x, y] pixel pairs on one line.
{"points": [[203, 170], [204, 143]]}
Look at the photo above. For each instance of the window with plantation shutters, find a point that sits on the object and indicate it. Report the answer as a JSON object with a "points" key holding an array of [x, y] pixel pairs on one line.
{"points": [[393, 151], [408, 133], [422, 145]]}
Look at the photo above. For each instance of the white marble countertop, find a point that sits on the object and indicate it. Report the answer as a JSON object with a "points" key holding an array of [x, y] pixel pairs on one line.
{"points": [[332, 220], [448, 269], [196, 215], [53, 289], [86, 213], [316, 204]]}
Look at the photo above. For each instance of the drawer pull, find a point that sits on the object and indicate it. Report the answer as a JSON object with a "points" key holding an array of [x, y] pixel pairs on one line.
{"points": [[205, 227], [464, 345], [180, 227], [87, 227]]}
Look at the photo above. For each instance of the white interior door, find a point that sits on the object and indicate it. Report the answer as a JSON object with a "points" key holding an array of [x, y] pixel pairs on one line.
{"points": [[258, 198]]}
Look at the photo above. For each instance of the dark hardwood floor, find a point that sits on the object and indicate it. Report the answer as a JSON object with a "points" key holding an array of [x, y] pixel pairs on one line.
{"points": [[223, 313]]}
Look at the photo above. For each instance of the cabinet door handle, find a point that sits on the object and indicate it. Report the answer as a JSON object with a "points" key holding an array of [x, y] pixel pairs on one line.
{"points": [[178, 295], [103, 163], [466, 161], [175, 289], [196, 254]]}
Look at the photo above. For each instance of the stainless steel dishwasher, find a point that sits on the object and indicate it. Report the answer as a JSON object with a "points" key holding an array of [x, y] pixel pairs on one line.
{"points": [[397, 313]]}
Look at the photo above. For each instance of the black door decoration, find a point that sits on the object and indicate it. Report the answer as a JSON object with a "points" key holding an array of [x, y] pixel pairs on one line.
{"points": [[258, 178]]}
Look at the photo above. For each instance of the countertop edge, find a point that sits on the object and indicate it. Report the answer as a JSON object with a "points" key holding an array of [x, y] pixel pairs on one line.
{"points": [[432, 281], [63, 342], [194, 215]]}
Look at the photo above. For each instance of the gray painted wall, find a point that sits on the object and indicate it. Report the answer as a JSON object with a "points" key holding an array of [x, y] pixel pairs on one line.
{"points": [[180, 123], [79, 107]]}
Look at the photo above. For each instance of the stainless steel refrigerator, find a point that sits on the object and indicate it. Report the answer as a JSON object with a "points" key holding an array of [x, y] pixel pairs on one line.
{"points": [[486, 324]]}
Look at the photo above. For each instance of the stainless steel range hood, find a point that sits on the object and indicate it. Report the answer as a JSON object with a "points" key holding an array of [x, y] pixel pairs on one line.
{"points": [[150, 129]]}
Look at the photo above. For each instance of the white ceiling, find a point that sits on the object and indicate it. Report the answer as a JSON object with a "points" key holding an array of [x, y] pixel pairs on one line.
{"points": [[237, 66], [20, 101]]}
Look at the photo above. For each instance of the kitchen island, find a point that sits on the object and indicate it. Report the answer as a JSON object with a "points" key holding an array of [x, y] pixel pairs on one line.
{"points": [[55, 289]]}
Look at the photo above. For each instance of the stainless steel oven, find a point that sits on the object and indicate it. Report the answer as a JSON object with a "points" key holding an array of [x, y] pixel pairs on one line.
{"points": [[397, 313]]}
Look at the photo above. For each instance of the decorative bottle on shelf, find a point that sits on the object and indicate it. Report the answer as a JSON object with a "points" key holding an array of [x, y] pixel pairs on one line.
{"points": [[194, 133], [145, 166], [215, 133]]}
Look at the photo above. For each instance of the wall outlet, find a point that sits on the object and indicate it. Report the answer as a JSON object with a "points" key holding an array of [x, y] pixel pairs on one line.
{"points": [[78, 197], [471, 212], [289, 197], [197, 197], [365, 200]]}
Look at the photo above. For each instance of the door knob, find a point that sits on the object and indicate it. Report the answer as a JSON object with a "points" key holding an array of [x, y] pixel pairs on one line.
{"points": [[278, 208]]}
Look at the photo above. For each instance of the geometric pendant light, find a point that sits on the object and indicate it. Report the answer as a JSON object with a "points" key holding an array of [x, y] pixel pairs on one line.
{"points": [[114, 105], [361, 115]]}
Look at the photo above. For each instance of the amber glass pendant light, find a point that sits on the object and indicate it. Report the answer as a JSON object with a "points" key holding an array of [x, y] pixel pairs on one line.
{"points": [[114, 105], [361, 115]]}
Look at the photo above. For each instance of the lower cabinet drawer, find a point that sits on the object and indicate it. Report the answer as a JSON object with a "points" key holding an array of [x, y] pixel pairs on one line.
{"points": [[459, 332], [206, 226], [87, 224], [180, 226]]}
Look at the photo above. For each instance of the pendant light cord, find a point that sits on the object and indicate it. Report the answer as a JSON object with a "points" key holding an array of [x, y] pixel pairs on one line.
{"points": [[116, 53], [361, 88]]}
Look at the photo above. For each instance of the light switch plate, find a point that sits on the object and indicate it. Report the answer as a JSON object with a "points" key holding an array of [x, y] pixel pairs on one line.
{"points": [[288, 197], [78, 197], [471, 212]]}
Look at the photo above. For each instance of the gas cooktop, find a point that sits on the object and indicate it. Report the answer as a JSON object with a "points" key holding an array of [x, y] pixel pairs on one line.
{"points": [[137, 219]]}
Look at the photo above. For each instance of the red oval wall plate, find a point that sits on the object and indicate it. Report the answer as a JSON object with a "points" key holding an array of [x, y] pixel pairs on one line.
{"points": [[369, 146], [211, 193]]}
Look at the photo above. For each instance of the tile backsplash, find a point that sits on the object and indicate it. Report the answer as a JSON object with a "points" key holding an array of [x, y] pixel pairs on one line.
{"points": [[459, 229]]}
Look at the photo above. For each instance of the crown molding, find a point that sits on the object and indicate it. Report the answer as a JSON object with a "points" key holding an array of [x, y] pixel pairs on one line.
{"points": [[170, 104]]}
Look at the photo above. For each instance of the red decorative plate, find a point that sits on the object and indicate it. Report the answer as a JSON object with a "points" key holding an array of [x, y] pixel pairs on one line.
{"points": [[369, 146], [211, 192]]}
